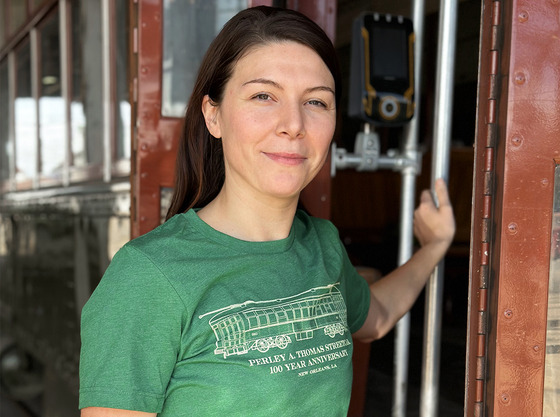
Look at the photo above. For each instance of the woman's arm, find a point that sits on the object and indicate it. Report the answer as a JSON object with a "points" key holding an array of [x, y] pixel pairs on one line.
{"points": [[113, 412], [394, 295]]}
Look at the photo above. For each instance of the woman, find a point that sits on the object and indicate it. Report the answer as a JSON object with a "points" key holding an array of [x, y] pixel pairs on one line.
{"points": [[240, 304]]}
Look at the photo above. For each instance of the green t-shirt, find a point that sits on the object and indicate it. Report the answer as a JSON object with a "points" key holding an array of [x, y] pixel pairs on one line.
{"points": [[188, 321]]}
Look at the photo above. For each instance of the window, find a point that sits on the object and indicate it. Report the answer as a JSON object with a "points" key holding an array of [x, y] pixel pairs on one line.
{"points": [[25, 113], [86, 108], [17, 14], [123, 121], [51, 104], [2, 21], [188, 29], [65, 88], [37, 3], [4, 122]]}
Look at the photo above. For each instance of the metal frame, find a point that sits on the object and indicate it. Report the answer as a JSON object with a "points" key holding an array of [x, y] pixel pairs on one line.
{"points": [[408, 191], [429, 389]]}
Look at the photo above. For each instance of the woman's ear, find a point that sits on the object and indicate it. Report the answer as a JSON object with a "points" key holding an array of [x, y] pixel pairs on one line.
{"points": [[210, 112]]}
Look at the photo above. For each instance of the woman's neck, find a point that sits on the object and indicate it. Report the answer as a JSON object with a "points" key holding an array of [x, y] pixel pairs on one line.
{"points": [[250, 219]]}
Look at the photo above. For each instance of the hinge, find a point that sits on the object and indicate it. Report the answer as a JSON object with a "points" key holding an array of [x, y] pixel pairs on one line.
{"points": [[488, 204]]}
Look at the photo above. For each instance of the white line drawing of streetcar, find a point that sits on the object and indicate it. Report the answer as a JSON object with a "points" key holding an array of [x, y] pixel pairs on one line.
{"points": [[262, 325]]}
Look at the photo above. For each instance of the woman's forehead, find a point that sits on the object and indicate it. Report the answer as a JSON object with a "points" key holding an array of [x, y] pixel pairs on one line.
{"points": [[269, 55]]}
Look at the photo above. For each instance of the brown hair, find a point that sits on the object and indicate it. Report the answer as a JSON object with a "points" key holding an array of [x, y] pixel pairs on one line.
{"points": [[199, 174]]}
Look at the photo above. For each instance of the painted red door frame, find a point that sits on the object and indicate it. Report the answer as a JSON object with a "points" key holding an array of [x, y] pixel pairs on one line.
{"points": [[518, 131]]}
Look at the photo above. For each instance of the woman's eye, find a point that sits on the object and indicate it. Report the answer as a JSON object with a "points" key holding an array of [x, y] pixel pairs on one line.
{"points": [[317, 103], [262, 96]]}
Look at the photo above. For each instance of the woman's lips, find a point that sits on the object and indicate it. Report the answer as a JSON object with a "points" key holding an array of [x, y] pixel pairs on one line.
{"points": [[286, 158]]}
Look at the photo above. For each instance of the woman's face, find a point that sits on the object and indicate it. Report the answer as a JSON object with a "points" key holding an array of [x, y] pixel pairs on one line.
{"points": [[276, 120]]}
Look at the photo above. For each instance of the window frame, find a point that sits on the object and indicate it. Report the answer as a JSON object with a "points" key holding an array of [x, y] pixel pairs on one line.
{"points": [[111, 166]]}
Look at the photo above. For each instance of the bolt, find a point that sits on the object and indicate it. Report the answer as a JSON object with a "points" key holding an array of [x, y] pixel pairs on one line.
{"points": [[516, 140], [536, 348], [512, 228], [520, 78], [505, 398], [508, 313], [523, 16]]}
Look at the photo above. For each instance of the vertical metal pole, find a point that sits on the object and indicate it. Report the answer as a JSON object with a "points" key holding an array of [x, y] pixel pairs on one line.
{"points": [[408, 188], [440, 168], [12, 69], [64, 18], [107, 87], [35, 85]]}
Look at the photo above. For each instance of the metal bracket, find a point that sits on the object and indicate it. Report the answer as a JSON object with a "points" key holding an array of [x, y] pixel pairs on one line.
{"points": [[367, 157]]}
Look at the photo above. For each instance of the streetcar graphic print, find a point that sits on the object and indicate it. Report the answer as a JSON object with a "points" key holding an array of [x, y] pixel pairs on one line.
{"points": [[262, 325]]}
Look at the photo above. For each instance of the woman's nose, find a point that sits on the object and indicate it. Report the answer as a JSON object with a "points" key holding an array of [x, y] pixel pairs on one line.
{"points": [[291, 121]]}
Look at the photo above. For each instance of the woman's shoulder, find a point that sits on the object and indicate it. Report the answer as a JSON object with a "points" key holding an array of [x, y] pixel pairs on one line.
{"points": [[323, 228], [165, 235]]}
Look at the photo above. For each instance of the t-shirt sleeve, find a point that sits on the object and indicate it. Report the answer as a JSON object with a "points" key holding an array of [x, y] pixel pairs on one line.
{"points": [[131, 333], [357, 293]]}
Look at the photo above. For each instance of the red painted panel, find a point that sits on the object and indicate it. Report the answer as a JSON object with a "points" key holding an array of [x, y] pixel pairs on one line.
{"points": [[517, 141], [530, 143]]}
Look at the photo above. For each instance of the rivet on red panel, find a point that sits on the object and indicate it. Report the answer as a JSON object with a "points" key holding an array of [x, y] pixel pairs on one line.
{"points": [[523, 16], [505, 398], [508, 314], [516, 140], [519, 78], [512, 228]]}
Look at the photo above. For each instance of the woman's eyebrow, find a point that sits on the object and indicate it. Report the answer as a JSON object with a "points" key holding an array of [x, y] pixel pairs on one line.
{"points": [[276, 85], [263, 81], [320, 88]]}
